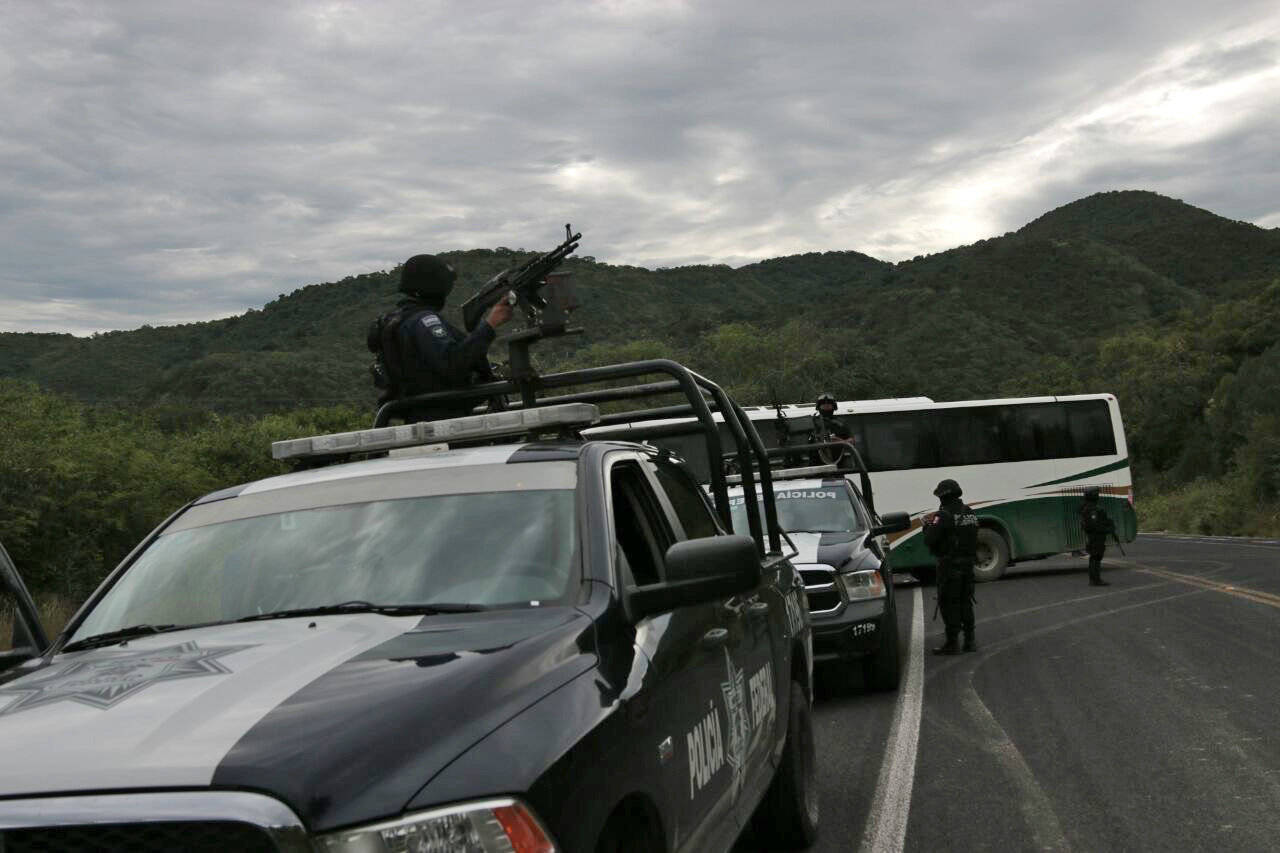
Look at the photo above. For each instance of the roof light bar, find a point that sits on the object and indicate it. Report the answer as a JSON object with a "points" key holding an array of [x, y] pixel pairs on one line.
{"points": [[490, 425]]}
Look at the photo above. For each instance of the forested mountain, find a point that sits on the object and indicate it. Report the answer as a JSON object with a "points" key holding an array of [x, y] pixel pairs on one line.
{"points": [[956, 324], [1174, 309]]}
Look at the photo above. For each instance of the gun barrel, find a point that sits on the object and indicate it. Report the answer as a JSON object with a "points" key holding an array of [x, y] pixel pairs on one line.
{"points": [[524, 280]]}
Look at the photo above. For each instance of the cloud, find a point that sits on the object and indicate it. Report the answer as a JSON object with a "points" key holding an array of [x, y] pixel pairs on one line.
{"points": [[168, 162]]}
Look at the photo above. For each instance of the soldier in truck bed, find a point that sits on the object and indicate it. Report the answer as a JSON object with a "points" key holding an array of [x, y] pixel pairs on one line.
{"points": [[419, 351]]}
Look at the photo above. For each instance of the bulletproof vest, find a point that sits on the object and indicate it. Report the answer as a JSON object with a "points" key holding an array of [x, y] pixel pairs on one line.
{"points": [[395, 364], [963, 534], [1096, 523]]}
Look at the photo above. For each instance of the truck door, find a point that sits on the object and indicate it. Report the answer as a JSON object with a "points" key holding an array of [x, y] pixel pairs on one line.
{"points": [[689, 649], [748, 678], [21, 635]]}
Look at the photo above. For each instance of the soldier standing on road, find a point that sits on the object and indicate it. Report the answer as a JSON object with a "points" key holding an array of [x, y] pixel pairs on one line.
{"points": [[951, 535], [1097, 526], [418, 351]]}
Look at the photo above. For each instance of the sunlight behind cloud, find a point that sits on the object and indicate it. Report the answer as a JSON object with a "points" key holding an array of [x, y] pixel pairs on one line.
{"points": [[1158, 112]]}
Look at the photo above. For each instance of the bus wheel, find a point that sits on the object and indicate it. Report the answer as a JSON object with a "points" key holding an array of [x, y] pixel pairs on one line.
{"points": [[993, 555]]}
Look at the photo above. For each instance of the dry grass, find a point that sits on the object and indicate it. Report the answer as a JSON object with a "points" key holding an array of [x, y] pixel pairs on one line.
{"points": [[55, 611]]}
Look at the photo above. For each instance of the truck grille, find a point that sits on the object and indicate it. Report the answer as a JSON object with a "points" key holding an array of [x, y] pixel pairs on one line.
{"points": [[821, 589], [190, 837]]}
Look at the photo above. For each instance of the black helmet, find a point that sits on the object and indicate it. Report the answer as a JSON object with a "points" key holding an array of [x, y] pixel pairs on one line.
{"points": [[825, 397], [428, 276], [1091, 493], [947, 489]]}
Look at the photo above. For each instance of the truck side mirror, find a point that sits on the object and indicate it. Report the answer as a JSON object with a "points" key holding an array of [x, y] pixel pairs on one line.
{"points": [[891, 522], [699, 571]]}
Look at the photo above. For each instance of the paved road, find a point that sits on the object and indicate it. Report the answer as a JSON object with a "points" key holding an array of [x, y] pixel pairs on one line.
{"points": [[1140, 716]]}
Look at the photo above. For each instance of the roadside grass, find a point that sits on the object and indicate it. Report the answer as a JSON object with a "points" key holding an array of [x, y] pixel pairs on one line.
{"points": [[55, 612], [1208, 508]]}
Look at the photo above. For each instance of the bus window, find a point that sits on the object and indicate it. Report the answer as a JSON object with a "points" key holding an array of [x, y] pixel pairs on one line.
{"points": [[899, 440], [1038, 431], [969, 436], [853, 423], [1091, 432]]}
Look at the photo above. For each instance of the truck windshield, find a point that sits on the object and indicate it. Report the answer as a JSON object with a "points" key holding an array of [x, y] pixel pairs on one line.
{"points": [[490, 549], [814, 510]]}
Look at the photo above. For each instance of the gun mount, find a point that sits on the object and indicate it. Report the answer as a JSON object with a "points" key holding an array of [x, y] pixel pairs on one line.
{"points": [[545, 296]]}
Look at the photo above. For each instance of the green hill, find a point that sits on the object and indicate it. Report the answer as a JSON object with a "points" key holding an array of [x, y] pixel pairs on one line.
{"points": [[955, 324]]}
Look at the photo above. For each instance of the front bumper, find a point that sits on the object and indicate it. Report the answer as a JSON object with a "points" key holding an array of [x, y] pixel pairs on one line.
{"points": [[855, 632]]}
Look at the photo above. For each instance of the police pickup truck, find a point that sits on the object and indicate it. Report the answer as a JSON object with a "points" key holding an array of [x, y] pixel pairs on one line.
{"points": [[523, 641], [843, 558]]}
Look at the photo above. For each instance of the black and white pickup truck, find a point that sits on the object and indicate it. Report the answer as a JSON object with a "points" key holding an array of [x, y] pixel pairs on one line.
{"points": [[524, 642], [843, 558]]}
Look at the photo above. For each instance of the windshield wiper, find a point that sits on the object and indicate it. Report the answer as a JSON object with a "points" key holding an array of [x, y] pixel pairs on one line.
{"points": [[110, 638], [365, 607]]}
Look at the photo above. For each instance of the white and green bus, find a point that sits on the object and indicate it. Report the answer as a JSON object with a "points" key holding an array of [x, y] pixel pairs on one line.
{"points": [[1023, 464]]}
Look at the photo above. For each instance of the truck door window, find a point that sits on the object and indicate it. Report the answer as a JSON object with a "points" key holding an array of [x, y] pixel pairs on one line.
{"points": [[688, 501], [641, 535]]}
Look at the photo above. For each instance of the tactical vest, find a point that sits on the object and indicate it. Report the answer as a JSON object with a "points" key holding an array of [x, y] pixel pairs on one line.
{"points": [[393, 366], [962, 546], [1096, 523]]}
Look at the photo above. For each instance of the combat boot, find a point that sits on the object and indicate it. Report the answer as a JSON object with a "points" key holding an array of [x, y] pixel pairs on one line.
{"points": [[969, 644], [950, 647]]}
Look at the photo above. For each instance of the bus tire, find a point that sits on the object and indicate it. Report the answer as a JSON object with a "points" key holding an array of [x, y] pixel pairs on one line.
{"points": [[993, 555]]}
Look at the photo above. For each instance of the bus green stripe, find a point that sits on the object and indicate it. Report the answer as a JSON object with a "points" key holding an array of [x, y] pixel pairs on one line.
{"points": [[1041, 525], [1114, 466]]}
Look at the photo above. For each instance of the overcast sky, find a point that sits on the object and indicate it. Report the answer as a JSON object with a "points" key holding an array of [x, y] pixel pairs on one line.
{"points": [[169, 161]]}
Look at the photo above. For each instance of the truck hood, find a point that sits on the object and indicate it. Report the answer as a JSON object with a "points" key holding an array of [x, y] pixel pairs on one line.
{"points": [[832, 549], [342, 717]]}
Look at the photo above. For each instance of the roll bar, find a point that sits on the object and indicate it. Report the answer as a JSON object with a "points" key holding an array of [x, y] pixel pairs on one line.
{"points": [[701, 395]]}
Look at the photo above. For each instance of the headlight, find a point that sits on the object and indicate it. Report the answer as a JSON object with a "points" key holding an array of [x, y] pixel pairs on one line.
{"points": [[862, 586], [492, 826]]}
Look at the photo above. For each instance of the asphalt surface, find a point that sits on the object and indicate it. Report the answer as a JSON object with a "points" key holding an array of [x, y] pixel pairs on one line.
{"points": [[1140, 716]]}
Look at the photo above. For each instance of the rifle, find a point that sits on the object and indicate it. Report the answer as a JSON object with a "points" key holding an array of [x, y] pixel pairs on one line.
{"points": [[1116, 537], [519, 285], [781, 426]]}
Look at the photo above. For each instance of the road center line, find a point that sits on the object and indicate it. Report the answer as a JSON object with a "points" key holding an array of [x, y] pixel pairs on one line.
{"points": [[887, 823], [1216, 586]]}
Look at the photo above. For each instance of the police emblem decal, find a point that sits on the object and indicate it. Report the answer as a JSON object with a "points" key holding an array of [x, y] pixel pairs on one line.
{"points": [[733, 689], [438, 331], [108, 680]]}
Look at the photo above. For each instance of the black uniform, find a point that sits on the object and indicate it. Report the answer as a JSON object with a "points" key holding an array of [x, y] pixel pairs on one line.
{"points": [[829, 426], [951, 534], [827, 429], [434, 355], [1097, 526]]}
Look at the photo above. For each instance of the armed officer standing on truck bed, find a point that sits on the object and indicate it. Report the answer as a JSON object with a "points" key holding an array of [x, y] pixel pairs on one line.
{"points": [[418, 351], [951, 534], [826, 427], [1097, 526]]}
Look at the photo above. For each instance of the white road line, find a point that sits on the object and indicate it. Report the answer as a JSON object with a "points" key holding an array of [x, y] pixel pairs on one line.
{"points": [[887, 824]]}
